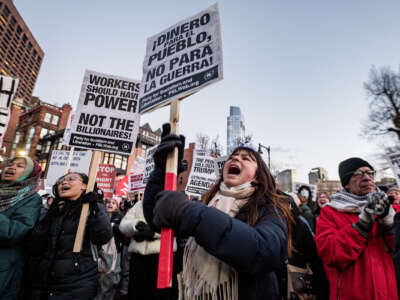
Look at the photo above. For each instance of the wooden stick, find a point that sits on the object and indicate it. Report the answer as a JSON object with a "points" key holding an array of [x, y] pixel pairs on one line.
{"points": [[71, 154], [165, 261], [80, 233]]}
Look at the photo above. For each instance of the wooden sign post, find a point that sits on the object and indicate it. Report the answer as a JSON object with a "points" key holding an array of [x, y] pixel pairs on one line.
{"points": [[80, 233], [165, 261], [176, 74]]}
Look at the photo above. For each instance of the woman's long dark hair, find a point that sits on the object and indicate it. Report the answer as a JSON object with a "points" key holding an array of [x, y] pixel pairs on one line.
{"points": [[265, 191]]}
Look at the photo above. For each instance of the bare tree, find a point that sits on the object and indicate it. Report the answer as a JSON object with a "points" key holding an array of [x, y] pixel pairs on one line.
{"points": [[216, 146], [383, 88], [202, 141]]}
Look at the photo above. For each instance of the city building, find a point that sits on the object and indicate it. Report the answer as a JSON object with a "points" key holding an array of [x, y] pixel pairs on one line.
{"points": [[235, 128], [20, 54], [42, 119], [285, 180], [123, 163], [317, 175], [20, 57], [329, 186]]}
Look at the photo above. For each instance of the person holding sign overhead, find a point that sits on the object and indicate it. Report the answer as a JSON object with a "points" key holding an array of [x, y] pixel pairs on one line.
{"points": [[56, 271], [238, 233]]}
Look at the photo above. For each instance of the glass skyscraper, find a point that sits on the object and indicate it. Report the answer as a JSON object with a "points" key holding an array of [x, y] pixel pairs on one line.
{"points": [[235, 128]]}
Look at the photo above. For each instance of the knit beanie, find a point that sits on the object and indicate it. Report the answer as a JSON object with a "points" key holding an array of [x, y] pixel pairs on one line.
{"points": [[350, 165], [28, 169]]}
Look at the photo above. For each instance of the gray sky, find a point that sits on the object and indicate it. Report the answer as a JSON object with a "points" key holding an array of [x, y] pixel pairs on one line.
{"points": [[295, 68]]}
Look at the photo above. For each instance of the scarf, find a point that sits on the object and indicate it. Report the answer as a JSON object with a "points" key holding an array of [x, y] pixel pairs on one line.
{"points": [[204, 275], [12, 193], [346, 202]]}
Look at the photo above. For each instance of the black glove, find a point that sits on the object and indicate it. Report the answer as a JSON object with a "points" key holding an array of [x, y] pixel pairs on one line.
{"points": [[168, 142], [144, 232], [366, 220], [169, 208], [92, 199]]}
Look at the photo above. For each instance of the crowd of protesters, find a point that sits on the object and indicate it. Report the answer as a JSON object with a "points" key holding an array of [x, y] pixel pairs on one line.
{"points": [[244, 239]]}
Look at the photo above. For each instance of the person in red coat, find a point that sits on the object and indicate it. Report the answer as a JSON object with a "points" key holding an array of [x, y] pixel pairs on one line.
{"points": [[354, 237]]}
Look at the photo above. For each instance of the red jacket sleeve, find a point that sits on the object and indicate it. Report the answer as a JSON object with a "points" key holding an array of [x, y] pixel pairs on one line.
{"points": [[338, 243]]}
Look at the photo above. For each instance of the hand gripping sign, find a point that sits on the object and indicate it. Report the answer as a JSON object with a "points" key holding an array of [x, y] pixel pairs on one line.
{"points": [[179, 61]]}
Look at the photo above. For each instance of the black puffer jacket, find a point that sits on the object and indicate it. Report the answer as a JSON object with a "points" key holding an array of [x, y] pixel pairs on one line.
{"points": [[256, 253], [56, 272]]}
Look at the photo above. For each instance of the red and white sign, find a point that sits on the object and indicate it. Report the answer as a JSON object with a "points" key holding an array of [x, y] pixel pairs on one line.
{"points": [[122, 186], [136, 182], [106, 179]]}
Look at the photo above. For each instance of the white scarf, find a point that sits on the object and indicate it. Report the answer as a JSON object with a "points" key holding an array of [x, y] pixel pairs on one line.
{"points": [[204, 275]]}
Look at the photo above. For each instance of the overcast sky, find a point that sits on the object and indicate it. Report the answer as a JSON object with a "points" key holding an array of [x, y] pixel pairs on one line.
{"points": [[295, 68]]}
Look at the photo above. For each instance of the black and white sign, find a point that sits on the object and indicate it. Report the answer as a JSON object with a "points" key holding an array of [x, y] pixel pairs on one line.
{"points": [[203, 173], [58, 164], [107, 117], [298, 186], [182, 59], [8, 88], [394, 161], [149, 164]]}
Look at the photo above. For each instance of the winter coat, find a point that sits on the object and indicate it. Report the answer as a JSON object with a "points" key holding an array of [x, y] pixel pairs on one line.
{"points": [[396, 252], [15, 223], [128, 228], [306, 212], [55, 270], [305, 252], [356, 267], [256, 253]]}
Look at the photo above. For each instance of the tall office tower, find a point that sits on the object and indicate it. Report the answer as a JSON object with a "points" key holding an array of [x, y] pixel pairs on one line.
{"points": [[20, 54], [235, 128], [20, 57]]}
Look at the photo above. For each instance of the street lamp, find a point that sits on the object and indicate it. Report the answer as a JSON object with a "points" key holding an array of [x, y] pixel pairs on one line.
{"points": [[260, 146]]}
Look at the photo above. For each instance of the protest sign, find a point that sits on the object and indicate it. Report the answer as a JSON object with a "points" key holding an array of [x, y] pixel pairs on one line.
{"points": [[138, 165], [149, 165], [298, 186], [181, 60], [219, 164], [105, 179], [394, 161], [8, 88], [203, 173], [67, 130], [58, 162], [136, 182], [122, 186], [106, 117]]}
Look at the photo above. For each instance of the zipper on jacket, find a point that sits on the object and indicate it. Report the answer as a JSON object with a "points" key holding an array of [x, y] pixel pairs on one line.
{"points": [[338, 286]]}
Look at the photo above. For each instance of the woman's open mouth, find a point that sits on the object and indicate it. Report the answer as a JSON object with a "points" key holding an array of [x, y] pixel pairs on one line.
{"points": [[234, 170], [9, 173], [65, 189]]}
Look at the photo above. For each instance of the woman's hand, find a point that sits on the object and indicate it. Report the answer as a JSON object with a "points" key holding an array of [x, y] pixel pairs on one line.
{"points": [[169, 208]]}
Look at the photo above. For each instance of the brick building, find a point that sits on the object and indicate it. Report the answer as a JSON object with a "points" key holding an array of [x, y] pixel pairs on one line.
{"points": [[20, 57], [35, 123], [20, 54]]}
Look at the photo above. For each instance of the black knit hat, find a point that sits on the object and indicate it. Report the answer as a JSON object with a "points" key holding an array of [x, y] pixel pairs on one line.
{"points": [[349, 166]]}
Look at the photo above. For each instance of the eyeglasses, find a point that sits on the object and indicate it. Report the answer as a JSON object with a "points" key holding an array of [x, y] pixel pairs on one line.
{"points": [[68, 179], [360, 174]]}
